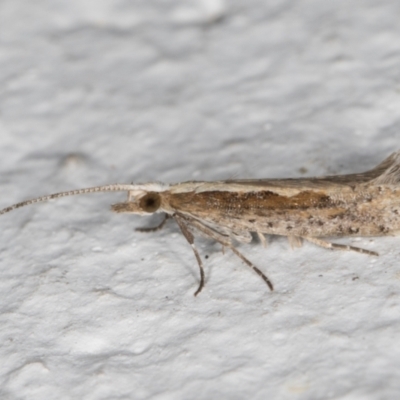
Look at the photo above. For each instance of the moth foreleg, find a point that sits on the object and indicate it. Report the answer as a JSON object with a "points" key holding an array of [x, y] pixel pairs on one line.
{"points": [[337, 246], [154, 228], [190, 238]]}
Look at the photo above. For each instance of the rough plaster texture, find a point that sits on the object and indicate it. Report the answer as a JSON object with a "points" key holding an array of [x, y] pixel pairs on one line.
{"points": [[95, 92]]}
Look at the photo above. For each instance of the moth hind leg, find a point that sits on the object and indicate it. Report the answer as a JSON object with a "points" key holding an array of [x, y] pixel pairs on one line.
{"points": [[337, 246]]}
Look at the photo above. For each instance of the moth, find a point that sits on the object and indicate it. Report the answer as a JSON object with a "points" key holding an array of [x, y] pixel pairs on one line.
{"points": [[230, 211]]}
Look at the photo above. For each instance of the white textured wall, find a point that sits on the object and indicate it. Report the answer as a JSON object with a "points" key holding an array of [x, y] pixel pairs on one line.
{"points": [[95, 92]]}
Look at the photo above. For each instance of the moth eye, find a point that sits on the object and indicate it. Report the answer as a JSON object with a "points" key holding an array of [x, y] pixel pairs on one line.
{"points": [[150, 202]]}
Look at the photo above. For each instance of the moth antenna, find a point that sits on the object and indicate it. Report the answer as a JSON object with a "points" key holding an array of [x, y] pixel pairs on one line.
{"points": [[105, 188]]}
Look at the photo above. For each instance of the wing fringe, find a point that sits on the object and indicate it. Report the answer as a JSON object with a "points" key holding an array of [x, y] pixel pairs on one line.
{"points": [[388, 171]]}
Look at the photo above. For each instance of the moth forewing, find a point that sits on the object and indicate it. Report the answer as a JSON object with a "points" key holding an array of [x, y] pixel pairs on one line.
{"points": [[360, 204]]}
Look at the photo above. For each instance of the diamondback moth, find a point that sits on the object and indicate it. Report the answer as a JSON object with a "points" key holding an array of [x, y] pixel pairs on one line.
{"points": [[360, 204]]}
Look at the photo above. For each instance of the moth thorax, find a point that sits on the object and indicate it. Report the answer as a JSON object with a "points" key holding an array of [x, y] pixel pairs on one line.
{"points": [[150, 202]]}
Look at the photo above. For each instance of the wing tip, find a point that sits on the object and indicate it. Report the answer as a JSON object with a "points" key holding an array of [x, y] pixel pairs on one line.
{"points": [[388, 171]]}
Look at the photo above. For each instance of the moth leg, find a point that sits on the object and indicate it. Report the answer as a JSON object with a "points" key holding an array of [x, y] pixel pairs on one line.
{"points": [[154, 228], [295, 241], [262, 239], [252, 266], [190, 238], [336, 246], [219, 238]]}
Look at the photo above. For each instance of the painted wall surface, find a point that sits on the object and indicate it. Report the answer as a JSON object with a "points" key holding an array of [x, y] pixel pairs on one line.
{"points": [[97, 92]]}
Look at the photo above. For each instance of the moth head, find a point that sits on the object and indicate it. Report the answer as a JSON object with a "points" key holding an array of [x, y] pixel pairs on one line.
{"points": [[145, 203]]}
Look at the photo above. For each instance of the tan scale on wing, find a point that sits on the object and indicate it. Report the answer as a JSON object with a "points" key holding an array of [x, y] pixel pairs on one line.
{"points": [[343, 205]]}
